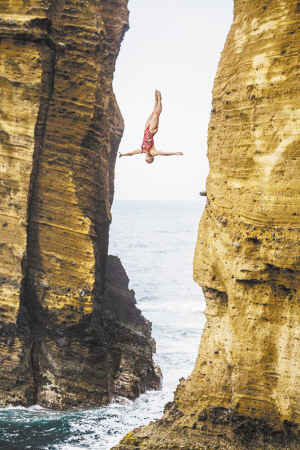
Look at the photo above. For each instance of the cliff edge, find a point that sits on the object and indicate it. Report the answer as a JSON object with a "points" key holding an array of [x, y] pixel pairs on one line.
{"points": [[244, 392], [70, 333]]}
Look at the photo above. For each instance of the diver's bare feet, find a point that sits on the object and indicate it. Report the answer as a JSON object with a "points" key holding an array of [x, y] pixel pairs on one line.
{"points": [[179, 153], [157, 95]]}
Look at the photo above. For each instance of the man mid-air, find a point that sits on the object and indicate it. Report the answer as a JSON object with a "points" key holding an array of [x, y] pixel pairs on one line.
{"points": [[151, 128]]}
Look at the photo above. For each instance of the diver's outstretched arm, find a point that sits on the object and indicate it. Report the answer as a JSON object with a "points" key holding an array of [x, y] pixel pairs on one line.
{"points": [[135, 152], [158, 153]]}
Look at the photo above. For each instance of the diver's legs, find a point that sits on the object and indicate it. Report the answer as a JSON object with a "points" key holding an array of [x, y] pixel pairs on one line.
{"points": [[154, 116], [157, 105]]}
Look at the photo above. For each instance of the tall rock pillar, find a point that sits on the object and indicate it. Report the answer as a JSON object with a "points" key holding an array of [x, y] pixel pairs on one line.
{"points": [[63, 340], [245, 389]]}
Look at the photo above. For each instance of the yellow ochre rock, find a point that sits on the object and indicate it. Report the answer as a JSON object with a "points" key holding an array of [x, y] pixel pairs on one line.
{"points": [[70, 332], [244, 391]]}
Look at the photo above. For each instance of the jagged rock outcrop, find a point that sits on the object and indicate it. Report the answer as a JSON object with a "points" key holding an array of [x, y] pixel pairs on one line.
{"points": [[245, 389], [70, 332]]}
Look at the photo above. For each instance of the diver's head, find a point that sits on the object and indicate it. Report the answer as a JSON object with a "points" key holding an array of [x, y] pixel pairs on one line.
{"points": [[149, 159]]}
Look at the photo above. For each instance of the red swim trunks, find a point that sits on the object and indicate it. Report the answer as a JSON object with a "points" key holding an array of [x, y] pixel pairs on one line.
{"points": [[148, 141]]}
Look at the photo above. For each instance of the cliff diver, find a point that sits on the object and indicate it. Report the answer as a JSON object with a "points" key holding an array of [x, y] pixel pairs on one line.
{"points": [[151, 128]]}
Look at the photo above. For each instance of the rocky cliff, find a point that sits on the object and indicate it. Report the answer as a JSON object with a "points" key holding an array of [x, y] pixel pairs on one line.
{"points": [[70, 332], [245, 389]]}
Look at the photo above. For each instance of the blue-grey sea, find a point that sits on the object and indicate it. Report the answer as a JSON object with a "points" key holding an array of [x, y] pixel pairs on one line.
{"points": [[155, 242]]}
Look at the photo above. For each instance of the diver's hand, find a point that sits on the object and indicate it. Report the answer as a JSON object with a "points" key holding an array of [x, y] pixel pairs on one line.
{"points": [[179, 153], [120, 155]]}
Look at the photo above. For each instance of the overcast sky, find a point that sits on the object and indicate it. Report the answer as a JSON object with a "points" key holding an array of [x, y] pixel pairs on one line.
{"points": [[175, 47]]}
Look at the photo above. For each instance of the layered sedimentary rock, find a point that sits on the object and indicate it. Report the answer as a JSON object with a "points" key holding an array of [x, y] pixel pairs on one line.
{"points": [[245, 389], [70, 332]]}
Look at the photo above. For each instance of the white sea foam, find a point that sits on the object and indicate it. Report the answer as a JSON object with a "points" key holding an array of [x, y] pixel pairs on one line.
{"points": [[37, 408]]}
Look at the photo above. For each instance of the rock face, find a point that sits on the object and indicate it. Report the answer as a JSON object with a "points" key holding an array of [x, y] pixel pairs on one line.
{"points": [[245, 389], [70, 333]]}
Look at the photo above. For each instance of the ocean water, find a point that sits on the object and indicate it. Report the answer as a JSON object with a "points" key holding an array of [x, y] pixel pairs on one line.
{"points": [[155, 242]]}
